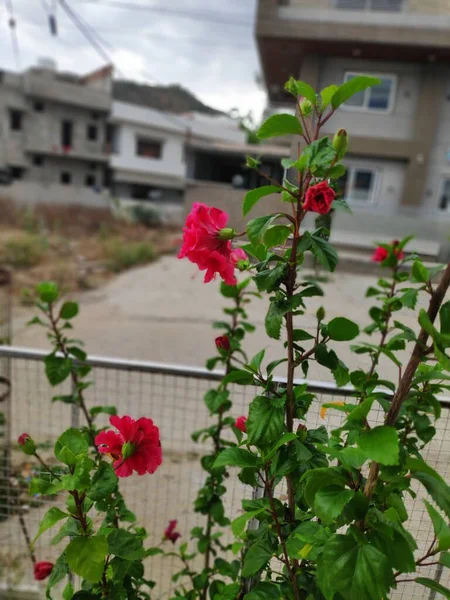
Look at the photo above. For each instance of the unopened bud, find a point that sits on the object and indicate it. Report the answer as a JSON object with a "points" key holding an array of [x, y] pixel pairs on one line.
{"points": [[223, 343], [302, 432], [27, 444], [227, 233], [340, 143], [305, 107]]}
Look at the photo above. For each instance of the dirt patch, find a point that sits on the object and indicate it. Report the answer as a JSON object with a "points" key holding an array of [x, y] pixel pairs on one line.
{"points": [[78, 247]]}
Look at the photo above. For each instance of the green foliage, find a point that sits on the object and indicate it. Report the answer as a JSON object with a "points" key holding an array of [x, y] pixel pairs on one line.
{"points": [[86, 556], [352, 87], [253, 196], [125, 256], [277, 125]]}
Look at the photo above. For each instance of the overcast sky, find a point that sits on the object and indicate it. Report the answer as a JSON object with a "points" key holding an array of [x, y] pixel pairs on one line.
{"points": [[211, 52]]}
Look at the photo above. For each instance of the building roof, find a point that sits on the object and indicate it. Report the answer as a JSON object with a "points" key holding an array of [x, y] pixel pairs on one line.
{"points": [[242, 148]]}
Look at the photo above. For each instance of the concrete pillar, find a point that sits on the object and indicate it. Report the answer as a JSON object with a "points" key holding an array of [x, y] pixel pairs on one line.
{"points": [[431, 96]]}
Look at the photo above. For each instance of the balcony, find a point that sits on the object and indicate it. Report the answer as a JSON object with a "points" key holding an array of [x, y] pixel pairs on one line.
{"points": [[288, 31]]}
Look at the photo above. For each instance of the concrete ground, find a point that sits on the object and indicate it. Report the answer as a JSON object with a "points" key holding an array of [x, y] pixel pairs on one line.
{"points": [[163, 312]]}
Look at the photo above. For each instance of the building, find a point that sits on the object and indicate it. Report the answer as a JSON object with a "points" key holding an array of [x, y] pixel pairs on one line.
{"points": [[398, 177], [54, 136], [156, 156]]}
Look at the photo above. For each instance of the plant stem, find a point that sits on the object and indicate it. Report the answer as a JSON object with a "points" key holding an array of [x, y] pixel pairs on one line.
{"points": [[406, 380], [80, 514], [46, 467], [292, 577], [26, 535]]}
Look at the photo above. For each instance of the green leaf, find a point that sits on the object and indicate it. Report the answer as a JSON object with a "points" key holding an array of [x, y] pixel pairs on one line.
{"points": [[273, 321], [265, 421], [256, 228], [276, 235], [268, 280], [264, 590], [257, 557], [68, 592], [107, 410], [444, 316], [432, 482], [69, 445], [86, 556], [282, 124], [356, 572], [330, 502], [48, 291], [104, 482], [125, 544], [326, 94], [69, 310], [256, 361], [300, 335], [238, 376], [324, 252], [57, 368], [409, 298], [217, 401], [444, 559], [420, 273], [318, 155], [239, 524], [433, 585], [352, 87], [51, 517], [380, 444], [59, 571], [300, 88], [341, 329], [441, 528], [236, 457], [317, 479], [253, 196], [361, 411]]}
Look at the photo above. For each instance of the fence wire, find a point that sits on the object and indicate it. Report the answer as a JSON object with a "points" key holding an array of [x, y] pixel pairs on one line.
{"points": [[173, 398]]}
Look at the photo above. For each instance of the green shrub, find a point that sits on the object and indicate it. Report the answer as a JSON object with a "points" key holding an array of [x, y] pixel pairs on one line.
{"points": [[146, 215], [24, 251], [123, 256]]}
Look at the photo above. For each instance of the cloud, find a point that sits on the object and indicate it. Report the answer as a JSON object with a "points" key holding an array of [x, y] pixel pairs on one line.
{"points": [[216, 61]]}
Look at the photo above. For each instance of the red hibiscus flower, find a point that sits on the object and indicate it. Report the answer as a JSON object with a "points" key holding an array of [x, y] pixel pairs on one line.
{"points": [[223, 343], [380, 254], [238, 255], [240, 424], [135, 448], [170, 533], [319, 198], [207, 243], [42, 570]]}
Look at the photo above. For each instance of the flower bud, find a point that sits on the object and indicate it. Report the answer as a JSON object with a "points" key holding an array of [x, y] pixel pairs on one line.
{"points": [[302, 432], [42, 570], [240, 423], [305, 107], [340, 143], [227, 233], [223, 343], [27, 444]]}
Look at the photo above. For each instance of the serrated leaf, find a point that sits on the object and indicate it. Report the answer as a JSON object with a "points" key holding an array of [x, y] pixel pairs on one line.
{"points": [[257, 556], [51, 517], [125, 544], [69, 445], [256, 228], [352, 87], [265, 421], [420, 273], [253, 196], [236, 457], [278, 125], [86, 556], [104, 482], [330, 501], [276, 235], [273, 321], [441, 528], [240, 523], [57, 368], [341, 329], [434, 585], [380, 444]]}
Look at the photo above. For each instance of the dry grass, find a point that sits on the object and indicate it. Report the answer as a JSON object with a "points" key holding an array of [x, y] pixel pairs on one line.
{"points": [[75, 246]]}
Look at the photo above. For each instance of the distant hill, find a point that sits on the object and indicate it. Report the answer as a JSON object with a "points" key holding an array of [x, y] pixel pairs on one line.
{"points": [[172, 98]]}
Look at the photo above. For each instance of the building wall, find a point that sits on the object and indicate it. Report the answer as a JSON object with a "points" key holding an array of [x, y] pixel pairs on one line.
{"points": [[32, 192], [415, 6], [50, 172], [126, 158], [439, 164], [399, 123]]}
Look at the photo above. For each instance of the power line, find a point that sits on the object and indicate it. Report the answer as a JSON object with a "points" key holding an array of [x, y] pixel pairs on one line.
{"points": [[14, 38], [97, 42], [198, 15]]}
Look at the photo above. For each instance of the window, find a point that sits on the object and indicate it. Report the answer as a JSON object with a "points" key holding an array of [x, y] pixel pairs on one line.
{"points": [[66, 178], [66, 134], [444, 196], [89, 180], [358, 185], [38, 106], [379, 98], [38, 160], [15, 119], [375, 5], [95, 115], [148, 148], [92, 132], [17, 172]]}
